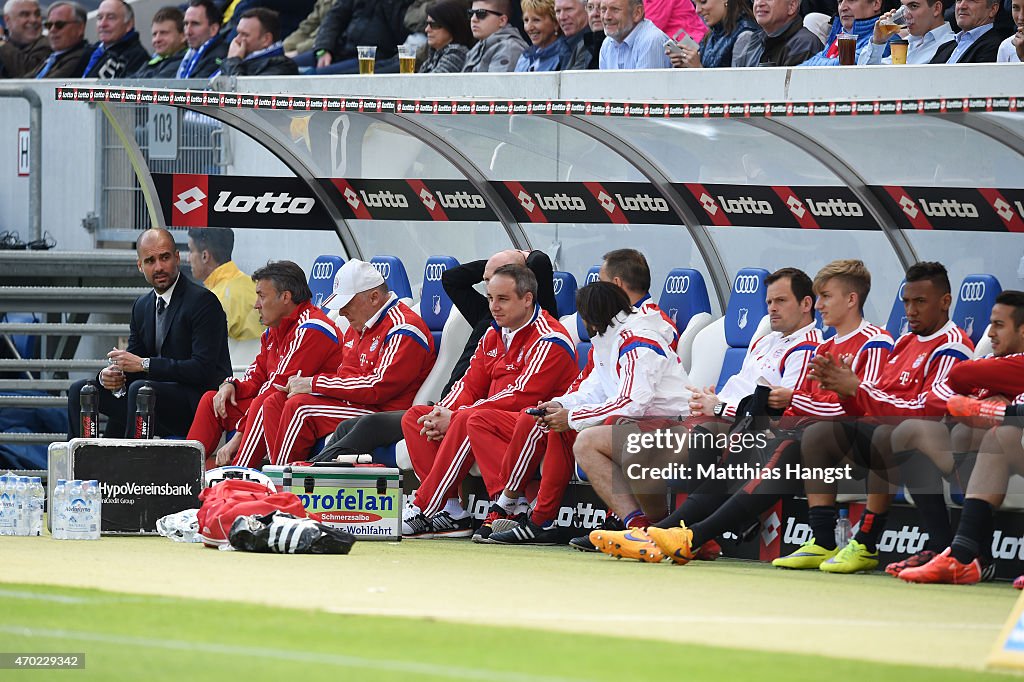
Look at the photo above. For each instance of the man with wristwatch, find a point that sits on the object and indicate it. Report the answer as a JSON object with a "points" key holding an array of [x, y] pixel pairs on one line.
{"points": [[178, 345]]}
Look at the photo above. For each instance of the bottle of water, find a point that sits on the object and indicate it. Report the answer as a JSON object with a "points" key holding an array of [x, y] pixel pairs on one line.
{"points": [[6, 508], [22, 505], [94, 500], [38, 497], [58, 503], [77, 512], [844, 532]]}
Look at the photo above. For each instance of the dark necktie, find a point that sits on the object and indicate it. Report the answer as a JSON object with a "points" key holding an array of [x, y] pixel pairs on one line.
{"points": [[161, 323]]}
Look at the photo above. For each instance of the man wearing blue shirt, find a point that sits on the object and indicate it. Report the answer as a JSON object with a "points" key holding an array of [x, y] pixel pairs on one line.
{"points": [[632, 41], [978, 40], [928, 30]]}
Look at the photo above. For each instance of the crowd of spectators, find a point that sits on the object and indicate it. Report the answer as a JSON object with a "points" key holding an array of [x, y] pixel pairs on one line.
{"points": [[206, 38]]}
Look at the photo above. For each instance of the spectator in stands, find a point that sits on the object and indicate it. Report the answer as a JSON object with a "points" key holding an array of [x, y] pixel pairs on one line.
{"points": [[350, 23], [783, 40], [209, 256], [595, 39], [1012, 49], [301, 40], [300, 339], [389, 351], [65, 31], [207, 47], [169, 46], [978, 40], [983, 389], [673, 16], [524, 358], [572, 19], [928, 29], [256, 49], [499, 44], [855, 16], [178, 345], [731, 27], [448, 37], [632, 41], [119, 51], [289, 13], [24, 48], [547, 45]]}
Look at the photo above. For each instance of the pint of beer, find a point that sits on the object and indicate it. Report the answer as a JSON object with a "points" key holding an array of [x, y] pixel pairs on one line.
{"points": [[406, 59], [847, 43], [367, 58], [898, 50]]}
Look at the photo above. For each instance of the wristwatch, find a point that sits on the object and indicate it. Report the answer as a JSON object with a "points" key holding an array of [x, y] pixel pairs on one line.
{"points": [[718, 409], [145, 365]]}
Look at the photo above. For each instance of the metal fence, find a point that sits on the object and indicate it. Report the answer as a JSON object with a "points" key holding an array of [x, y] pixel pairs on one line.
{"points": [[201, 145]]}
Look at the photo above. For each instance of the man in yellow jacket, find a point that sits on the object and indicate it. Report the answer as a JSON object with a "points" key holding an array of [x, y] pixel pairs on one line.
{"points": [[209, 254]]}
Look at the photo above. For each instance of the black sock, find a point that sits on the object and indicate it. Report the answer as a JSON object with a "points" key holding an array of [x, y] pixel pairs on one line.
{"points": [[823, 525], [935, 516], [924, 481], [740, 509], [970, 534], [871, 527]]}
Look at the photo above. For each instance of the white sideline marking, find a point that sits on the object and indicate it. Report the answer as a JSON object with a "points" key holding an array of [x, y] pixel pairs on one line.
{"points": [[688, 619], [443, 671], [65, 599]]}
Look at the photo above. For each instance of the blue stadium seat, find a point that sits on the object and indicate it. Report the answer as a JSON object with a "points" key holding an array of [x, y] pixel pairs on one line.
{"points": [[974, 303], [25, 345], [434, 302], [592, 275], [321, 277], [584, 346], [826, 332], [684, 298], [897, 323], [743, 314], [393, 272], [564, 284]]}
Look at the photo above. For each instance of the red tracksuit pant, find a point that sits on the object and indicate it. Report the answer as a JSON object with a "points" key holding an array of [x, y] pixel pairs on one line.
{"points": [[207, 427], [294, 424]]}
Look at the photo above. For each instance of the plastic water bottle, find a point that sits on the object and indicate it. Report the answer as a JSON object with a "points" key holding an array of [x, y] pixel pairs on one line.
{"points": [[22, 505], [94, 500], [89, 413], [844, 532], [38, 497], [6, 508], [58, 502], [77, 512]]}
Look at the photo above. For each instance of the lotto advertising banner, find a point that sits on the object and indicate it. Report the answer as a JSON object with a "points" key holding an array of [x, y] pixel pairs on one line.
{"points": [[832, 207], [955, 208], [587, 202], [420, 200]]}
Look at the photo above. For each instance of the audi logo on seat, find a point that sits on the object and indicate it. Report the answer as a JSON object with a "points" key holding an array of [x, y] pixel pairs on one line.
{"points": [[677, 284], [746, 284], [383, 268], [322, 270], [972, 291], [433, 271]]}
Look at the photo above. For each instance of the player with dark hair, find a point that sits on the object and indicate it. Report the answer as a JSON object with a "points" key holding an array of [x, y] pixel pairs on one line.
{"points": [[988, 391]]}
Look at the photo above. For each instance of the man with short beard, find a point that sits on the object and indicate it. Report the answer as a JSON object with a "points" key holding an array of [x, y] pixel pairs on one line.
{"points": [[25, 48]]}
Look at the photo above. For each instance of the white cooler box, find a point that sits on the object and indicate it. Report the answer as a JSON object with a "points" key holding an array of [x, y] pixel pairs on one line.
{"points": [[141, 480], [365, 501]]}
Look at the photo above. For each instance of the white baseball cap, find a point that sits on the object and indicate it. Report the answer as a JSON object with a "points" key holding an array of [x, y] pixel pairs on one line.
{"points": [[354, 277]]}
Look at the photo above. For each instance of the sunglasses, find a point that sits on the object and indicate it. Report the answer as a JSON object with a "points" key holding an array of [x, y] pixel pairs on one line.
{"points": [[433, 23], [481, 14], [57, 25]]}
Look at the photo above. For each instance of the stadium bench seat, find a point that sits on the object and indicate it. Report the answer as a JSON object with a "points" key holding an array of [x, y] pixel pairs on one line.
{"points": [[321, 277], [684, 298], [395, 276], [896, 325], [974, 301], [564, 286]]}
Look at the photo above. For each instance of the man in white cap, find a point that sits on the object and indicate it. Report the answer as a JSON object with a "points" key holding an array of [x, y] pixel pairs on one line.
{"points": [[388, 353]]}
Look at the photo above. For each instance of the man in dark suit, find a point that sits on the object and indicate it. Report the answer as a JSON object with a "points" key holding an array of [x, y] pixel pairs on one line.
{"points": [[978, 39], [178, 345]]}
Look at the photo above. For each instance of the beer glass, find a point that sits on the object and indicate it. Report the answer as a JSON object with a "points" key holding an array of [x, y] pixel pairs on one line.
{"points": [[406, 59], [367, 58]]}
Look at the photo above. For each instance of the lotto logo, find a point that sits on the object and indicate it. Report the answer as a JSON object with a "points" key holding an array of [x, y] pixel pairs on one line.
{"points": [[677, 284], [428, 199], [352, 198], [322, 270], [770, 529], [189, 200], [746, 284], [709, 204], [1004, 210], [606, 202], [527, 201], [796, 206], [434, 271], [908, 206], [972, 291]]}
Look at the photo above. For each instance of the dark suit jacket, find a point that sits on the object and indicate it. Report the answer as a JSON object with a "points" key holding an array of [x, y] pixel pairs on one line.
{"points": [[983, 49], [195, 349]]}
